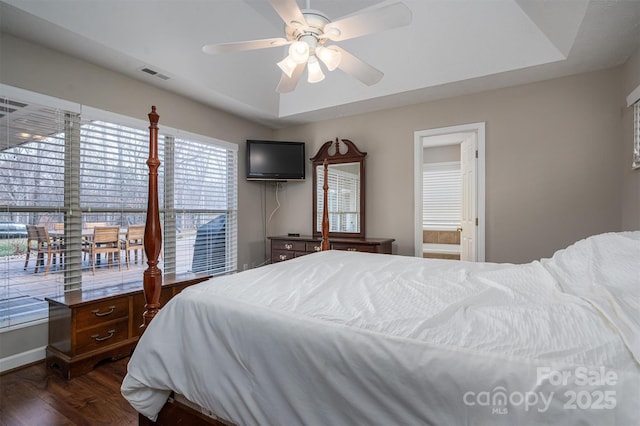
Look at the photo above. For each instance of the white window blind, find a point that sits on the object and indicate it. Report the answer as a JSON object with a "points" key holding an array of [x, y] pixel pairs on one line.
{"points": [[71, 173], [442, 195], [32, 173], [343, 200], [113, 173], [205, 206]]}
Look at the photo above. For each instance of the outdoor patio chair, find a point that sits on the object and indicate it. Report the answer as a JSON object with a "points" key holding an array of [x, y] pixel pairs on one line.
{"points": [[50, 248], [105, 240], [134, 241], [32, 244]]}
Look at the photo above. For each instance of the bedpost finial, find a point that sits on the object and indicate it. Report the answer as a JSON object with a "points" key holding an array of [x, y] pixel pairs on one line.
{"points": [[153, 115]]}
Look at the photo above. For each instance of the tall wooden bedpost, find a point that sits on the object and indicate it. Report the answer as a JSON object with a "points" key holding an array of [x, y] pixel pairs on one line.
{"points": [[152, 279], [325, 212], [324, 245]]}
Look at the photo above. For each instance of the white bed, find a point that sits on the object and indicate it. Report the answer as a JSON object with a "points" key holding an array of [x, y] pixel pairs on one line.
{"points": [[340, 338]]}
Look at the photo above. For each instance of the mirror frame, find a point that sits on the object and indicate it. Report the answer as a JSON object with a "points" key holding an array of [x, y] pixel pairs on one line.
{"points": [[351, 155]]}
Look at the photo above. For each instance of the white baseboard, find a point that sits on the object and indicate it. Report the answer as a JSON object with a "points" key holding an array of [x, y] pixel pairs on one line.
{"points": [[24, 358]]}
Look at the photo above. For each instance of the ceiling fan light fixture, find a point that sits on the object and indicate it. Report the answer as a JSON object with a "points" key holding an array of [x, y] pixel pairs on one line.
{"points": [[314, 72], [299, 52], [306, 31], [287, 65], [329, 56]]}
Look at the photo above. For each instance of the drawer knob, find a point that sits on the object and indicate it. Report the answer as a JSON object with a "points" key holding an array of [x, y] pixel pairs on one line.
{"points": [[288, 246], [97, 312], [283, 257], [97, 337], [352, 249]]}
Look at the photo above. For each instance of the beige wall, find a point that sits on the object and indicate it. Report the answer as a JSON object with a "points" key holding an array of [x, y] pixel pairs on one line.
{"points": [[32, 67], [630, 178], [552, 164]]}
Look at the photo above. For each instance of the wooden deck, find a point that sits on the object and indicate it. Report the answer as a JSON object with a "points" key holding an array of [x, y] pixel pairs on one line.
{"points": [[22, 292]]}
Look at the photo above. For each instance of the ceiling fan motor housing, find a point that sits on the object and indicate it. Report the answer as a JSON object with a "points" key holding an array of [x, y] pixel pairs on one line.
{"points": [[312, 32]]}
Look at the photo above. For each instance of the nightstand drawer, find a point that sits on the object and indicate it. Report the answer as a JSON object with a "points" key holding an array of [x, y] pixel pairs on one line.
{"points": [[96, 313], [288, 245], [103, 335]]}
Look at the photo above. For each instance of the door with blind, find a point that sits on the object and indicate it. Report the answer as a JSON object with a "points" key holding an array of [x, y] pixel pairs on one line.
{"points": [[449, 186]]}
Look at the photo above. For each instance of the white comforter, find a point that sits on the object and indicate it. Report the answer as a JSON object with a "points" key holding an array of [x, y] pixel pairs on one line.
{"points": [[338, 338]]}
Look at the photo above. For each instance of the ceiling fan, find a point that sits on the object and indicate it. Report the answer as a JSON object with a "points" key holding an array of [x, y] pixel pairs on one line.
{"points": [[307, 32]]}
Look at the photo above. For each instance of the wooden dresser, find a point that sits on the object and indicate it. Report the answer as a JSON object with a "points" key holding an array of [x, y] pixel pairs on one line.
{"points": [[86, 327], [285, 247]]}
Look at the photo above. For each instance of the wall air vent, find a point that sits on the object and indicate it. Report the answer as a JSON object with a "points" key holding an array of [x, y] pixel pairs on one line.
{"points": [[154, 73]]}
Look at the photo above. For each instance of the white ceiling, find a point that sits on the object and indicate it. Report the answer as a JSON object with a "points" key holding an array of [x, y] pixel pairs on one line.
{"points": [[452, 47]]}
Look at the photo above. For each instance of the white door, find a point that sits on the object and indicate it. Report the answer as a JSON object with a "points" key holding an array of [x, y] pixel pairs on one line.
{"points": [[472, 138], [469, 208]]}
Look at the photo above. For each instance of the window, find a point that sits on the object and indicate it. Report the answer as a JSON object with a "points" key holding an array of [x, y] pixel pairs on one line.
{"points": [[441, 196], [32, 181], [69, 172], [204, 207]]}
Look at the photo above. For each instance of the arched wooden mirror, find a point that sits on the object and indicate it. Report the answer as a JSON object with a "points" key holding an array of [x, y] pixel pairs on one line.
{"points": [[346, 189]]}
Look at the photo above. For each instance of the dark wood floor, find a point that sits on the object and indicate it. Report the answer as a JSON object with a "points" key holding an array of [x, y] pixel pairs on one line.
{"points": [[33, 396]]}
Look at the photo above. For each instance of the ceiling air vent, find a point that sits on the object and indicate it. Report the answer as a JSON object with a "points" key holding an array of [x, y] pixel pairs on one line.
{"points": [[154, 73]]}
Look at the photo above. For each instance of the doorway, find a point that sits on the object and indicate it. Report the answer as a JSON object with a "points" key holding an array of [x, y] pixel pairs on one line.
{"points": [[470, 141]]}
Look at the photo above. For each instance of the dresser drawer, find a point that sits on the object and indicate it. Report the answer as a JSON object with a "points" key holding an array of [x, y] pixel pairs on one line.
{"points": [[96, 313], [280, 255], [313, 247], [102, 335], [354, 247], [288, 245]]}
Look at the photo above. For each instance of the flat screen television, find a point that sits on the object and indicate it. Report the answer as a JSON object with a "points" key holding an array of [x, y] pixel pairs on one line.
{"points": [[275, 160]]}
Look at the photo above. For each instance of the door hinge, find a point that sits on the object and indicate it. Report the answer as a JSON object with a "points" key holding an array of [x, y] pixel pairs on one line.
{"points": [[476, 153], [476, 221]]}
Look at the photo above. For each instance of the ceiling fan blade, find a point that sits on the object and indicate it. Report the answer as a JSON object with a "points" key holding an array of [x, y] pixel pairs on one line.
{"points": [[240, 46], [289, 11], [358, 68], [376, 20], [288, 84]]}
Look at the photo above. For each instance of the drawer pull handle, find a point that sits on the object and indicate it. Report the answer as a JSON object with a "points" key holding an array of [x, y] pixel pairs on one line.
{"points": [[97, 312], [352, 249], [317, 248], [288, 246], [97, 337], [283, 257]]}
